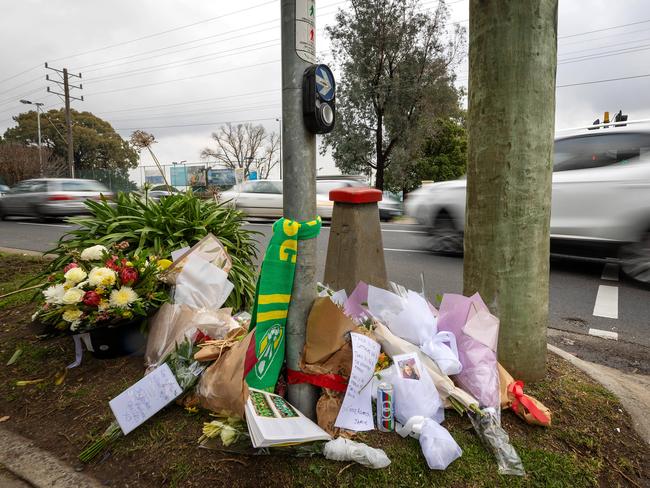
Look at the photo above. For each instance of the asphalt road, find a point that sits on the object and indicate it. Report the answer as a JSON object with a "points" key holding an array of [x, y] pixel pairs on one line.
{"points": [[586, 296]]}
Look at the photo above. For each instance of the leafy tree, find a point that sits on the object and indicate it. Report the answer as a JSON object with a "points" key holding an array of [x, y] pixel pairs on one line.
{"points": [[396, 70], [95, 142], [443, 156], [244, 146]]}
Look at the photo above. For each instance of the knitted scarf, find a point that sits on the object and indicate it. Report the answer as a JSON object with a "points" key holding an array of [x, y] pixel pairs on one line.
{"points": [[272, 299]]}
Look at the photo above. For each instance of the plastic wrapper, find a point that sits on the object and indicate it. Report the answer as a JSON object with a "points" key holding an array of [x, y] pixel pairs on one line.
{"points": [[496, 439], [414, 397], [201, 284], [409, 316], [173, 323], [393, 345], [341, 449], [438, 446], [477, 333], [209, 249]]}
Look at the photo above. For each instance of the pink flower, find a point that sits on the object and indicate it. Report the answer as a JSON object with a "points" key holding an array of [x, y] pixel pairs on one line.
{"points": [[69, 267], [128, 275], [92, 298]]}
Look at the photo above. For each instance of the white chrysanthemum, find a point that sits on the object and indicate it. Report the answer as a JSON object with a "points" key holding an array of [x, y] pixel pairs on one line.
{"points": [[101, 277], [93, 253], [54, 294], [75, 275], [72, 315], [123, 297], [72, 296]]}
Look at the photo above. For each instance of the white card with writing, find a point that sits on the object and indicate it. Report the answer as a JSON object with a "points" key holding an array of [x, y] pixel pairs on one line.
{"points": [[356, 411], [143, 400]]}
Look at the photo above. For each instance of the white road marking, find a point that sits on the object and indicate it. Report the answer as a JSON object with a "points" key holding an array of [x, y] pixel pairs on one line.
{"points": [[610, 272], [606, 302], [405, 250], [604, 334], [47, 225]]}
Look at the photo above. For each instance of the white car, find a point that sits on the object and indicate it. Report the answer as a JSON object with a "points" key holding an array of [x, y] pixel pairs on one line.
{"points": [[600, 200]]}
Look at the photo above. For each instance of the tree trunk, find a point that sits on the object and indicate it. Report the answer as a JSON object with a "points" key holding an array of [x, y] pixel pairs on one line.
{"points": [[379, 149], [512, 63]]}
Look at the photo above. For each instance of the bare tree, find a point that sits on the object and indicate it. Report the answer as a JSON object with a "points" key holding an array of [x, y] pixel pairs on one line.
{"points": [[244, 146], [18, 162]]}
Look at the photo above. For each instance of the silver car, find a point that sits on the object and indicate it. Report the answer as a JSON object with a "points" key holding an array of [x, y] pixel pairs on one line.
{"points": [[51, 197], [600, 201]]}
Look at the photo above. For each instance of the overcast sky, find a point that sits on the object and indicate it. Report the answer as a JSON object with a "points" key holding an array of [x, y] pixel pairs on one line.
{"points": [[178, 69]]}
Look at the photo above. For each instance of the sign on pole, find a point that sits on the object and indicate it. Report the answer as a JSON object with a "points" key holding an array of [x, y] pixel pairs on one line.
{"points": [[306, 30]]}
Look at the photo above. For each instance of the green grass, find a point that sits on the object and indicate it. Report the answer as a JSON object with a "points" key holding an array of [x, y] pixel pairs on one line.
{"points": [[16, 271]]}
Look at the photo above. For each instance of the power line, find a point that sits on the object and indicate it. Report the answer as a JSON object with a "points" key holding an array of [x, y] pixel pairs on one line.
{"points": [[604, 55], [185, 78], [204, 112], [607, 46], [197, 125], [603, 81], [21, 73], [581, 41], [160, 33], [604, 29]]}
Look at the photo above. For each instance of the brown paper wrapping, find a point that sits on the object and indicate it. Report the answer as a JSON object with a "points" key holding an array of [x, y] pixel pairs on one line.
{"points": [[222, 387], [327, 331], [507, 398]]}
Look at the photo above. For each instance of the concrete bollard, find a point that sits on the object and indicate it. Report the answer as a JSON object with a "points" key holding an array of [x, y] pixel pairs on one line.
{"points": [[355, 251]]}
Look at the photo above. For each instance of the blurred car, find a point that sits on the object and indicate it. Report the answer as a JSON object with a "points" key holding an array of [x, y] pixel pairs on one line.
{"points": [[51, 197], [3, 189], [158, 194], [263, 198], [600, 200]]}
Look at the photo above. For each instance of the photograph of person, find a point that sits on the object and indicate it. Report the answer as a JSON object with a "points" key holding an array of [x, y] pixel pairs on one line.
{"points": [[409, 369]]}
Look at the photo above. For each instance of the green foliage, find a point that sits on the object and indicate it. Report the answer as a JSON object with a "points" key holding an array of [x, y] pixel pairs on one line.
{"points": [[95, 142], [443, 156], [158, 228], [396, 71]]}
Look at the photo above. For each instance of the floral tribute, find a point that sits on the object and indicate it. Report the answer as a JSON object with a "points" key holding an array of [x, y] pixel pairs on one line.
{"points": [[102, 287]]}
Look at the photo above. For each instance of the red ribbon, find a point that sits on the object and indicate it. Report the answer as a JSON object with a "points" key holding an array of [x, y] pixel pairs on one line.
{"points": [[517, 389], [330, 381]]}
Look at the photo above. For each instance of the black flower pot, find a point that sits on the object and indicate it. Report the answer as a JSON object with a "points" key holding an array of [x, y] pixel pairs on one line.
{"points": [[124, 339]]}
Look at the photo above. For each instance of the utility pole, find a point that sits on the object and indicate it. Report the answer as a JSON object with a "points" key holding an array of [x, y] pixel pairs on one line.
{"points": [[279, 121], [65, 83], [511, 120], [299, 182]]}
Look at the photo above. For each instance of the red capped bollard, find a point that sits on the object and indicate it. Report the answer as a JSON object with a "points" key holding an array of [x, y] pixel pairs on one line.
{"points": [[355, 251]]}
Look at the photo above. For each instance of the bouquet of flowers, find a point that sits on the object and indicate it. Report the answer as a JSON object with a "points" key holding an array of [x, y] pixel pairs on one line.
{"points": [[102, 287]]}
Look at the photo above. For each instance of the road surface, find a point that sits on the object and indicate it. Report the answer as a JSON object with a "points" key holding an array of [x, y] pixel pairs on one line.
{"points": [[586, 296]]}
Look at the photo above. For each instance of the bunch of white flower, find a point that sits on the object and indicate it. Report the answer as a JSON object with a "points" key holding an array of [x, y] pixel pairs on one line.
{"points": [[93, 253], [75, 275], [123, 297], [101, 277], [54, 294], [72, 296]]}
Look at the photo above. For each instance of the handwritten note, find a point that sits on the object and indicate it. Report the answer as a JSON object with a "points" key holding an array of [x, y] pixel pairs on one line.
{"points": [[356, 411], [143, 400]]}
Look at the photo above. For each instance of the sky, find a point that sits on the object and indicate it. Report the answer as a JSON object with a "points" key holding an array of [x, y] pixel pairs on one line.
{"points": [[180, 69]]}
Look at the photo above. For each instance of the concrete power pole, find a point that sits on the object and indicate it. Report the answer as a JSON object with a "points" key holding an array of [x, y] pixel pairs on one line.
{"points": [[65, 83], [299, 180], [511, 121]]}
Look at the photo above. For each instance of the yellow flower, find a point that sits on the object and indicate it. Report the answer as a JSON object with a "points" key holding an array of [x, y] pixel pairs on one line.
{"points": [[103, 305], [163, 264], [102, 277], [72, 296], [127, 315], [123, 297], [75, 275], [72, 315]]}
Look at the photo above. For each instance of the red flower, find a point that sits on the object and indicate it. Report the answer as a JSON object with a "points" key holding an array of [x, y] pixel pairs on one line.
{"points": [[70, 266], [92, 298], [111, 264], [128, 275]]}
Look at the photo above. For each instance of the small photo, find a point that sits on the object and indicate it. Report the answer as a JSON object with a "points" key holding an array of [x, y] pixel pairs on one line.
{"points": [[408, 369]]}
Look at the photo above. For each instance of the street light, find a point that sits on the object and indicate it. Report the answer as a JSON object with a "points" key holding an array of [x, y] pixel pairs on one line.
{"points": [[279, 120], [38, 119]]}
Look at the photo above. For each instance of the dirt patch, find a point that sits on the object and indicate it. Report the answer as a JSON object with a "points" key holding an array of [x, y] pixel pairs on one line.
{"points": [[591, 442]]}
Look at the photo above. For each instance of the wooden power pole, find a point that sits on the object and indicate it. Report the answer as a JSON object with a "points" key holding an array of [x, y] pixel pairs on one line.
{"points": [[65, 83], [511, 121]]}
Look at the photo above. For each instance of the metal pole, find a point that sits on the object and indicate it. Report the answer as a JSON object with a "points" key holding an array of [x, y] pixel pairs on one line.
{"points": [[299, 187], [280, 123], [68, 121], [40, 150]]}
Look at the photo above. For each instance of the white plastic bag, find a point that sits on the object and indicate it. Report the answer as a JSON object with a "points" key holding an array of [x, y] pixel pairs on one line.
{"points": [[438, 446], [414, 397], [341, 449], [445, 356]]}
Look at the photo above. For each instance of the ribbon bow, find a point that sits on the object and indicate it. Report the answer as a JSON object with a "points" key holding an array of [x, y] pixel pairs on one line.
{"points": [[517, 390]]}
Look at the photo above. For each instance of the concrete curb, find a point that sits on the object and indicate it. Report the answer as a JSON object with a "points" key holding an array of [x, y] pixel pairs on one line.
{"points": [[26, 252], [632, 389], [24, 459]]}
